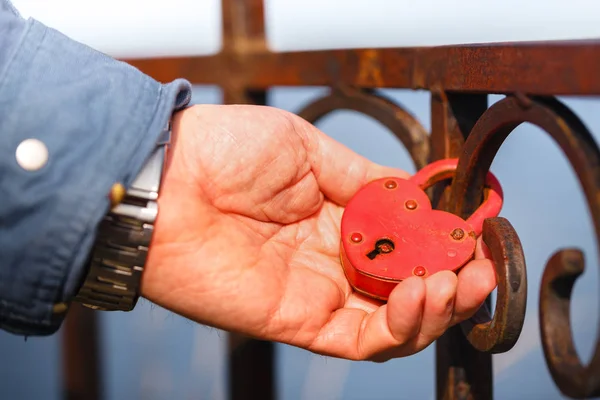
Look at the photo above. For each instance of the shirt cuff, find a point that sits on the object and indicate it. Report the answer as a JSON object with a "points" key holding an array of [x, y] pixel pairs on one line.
{"points": [[99, 119]]}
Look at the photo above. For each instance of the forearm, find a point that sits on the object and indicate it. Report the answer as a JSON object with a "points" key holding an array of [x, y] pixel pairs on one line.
{"points": [[99, 120]]}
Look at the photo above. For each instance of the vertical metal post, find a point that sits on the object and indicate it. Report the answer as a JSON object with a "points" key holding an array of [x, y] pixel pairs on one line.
{"points": [[462, 372], [251, 372], [80, 355]]}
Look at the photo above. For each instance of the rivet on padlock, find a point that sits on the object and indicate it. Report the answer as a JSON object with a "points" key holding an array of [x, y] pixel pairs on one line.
{"points": [[390, 232]]}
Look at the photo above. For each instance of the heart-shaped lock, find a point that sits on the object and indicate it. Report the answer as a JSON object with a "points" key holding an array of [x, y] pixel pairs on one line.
{"points": [[390, 232]]}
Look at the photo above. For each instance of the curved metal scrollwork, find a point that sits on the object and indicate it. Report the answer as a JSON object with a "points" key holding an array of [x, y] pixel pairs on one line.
{"points": [[571, 376], [500, 333], [401, 123]]}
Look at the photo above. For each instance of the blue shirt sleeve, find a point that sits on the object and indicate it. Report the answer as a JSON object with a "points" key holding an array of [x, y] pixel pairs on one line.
{"points": [[99, 119]]}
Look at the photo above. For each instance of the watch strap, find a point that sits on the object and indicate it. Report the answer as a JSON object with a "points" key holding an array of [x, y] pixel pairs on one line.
{"points": [[123, 238]]}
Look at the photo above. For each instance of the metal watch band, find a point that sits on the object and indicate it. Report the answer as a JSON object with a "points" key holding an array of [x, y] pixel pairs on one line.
{"points": [[119, 254]]}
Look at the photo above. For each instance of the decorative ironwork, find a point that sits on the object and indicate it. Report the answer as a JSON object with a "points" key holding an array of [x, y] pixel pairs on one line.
{"points": [[500, 333], [459, 79], [401, 123], [572, 378]]}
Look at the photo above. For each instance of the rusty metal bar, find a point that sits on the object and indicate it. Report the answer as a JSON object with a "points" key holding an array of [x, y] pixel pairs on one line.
{"points": [[461, 371], [251, 369], [251, 362], [82, 378], [251, 372], [555, 68]]}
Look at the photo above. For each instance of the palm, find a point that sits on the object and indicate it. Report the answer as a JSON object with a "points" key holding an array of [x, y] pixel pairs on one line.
{"points": [[257, 249]]}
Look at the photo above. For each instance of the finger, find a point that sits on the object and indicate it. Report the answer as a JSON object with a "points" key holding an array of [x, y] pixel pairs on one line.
{"points": [[481, 250], [358, 335], [340, 171], [440, 290], [439, 307], [476, 281]]}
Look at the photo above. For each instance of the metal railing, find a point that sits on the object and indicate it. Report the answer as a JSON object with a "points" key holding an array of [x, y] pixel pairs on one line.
{"points": [[459, 79]]}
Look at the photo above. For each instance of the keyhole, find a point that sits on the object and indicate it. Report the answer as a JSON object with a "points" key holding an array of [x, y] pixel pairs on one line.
{"points": [[382, 246]]}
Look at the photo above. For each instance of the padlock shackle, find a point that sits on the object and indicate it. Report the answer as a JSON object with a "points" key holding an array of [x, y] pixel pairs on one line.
{"points": [[440, 170]]}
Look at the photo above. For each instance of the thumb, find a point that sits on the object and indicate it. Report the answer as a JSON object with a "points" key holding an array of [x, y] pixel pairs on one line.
{"points": [[340, 172]]}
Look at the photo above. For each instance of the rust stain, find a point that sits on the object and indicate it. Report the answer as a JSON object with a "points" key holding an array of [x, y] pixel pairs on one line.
{"points": [[563, 125], [369, 69]]}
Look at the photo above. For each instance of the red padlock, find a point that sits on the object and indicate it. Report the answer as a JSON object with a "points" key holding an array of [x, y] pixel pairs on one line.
{"points": [[390, 232]]}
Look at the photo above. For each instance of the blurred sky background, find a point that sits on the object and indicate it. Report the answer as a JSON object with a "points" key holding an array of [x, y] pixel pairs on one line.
{"points": [[153, 354]]}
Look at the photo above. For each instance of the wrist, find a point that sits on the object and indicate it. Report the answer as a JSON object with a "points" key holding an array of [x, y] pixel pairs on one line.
{"points": [[182, 212], [123, 238]]}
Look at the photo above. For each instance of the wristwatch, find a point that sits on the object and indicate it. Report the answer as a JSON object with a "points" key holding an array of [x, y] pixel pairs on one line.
{"points": [[119, 253]]}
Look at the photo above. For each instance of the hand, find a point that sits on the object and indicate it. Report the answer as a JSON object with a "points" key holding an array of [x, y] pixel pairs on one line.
{"points": [[247, 240]]}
